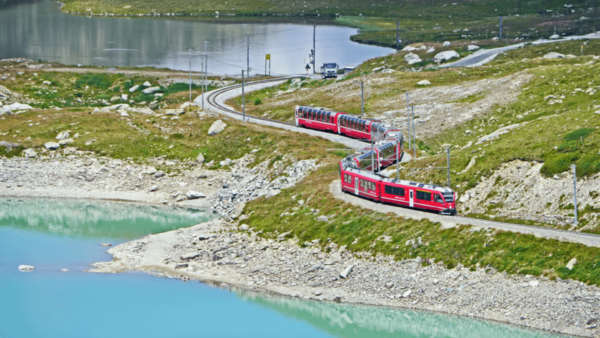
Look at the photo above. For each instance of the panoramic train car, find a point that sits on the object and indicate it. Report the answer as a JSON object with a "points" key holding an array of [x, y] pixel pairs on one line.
{"points": [[398, 192], [383, 154], [319, 119]]}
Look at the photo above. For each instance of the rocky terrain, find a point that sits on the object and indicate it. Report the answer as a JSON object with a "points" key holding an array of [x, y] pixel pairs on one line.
{"points": [[231, 253], [518, 190]]}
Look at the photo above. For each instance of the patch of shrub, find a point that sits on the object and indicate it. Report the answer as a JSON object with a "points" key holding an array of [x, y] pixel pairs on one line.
{"points": [[557, 163], [257, 101], [578, 134], [101, 81]]}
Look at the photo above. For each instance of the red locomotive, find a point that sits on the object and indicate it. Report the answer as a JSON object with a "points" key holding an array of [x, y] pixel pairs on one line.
{"points": [[341, 123]]}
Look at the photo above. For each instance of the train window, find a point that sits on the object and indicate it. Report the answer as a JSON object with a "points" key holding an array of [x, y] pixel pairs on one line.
{"points": [[438, 198], [423, 195], [394, 190], [347, 178], [361, 182], [373, 186]]}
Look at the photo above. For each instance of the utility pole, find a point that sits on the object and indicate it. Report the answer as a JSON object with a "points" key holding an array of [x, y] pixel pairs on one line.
{"points": [[397, 36], [500, 31], [314, 48], [575, 191], [243, 99], [413, 130], [362, 99], [408, 117], [190, 50], [448, 158], [248, 58], [202, 79], [372, 155], [398, 156], [206, 64]]}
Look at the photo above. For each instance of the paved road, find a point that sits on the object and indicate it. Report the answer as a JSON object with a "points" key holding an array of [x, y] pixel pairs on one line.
{"points": [[453, 221], [486, 55]]}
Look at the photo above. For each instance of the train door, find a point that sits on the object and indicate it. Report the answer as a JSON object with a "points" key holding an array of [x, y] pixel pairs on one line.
{"points": [[411, 199], [338, 122], [298, 112], [356, 179]]}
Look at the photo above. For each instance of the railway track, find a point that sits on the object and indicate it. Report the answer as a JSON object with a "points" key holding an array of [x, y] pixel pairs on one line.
{"points": [[563, 235]]}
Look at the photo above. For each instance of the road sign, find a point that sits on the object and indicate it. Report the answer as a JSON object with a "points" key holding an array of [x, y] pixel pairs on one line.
{"points": [[268, 57]]}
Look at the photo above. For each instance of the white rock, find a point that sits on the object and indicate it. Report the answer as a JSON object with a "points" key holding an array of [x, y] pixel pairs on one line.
{"points": [[534, 283], [272, 192], [200, 158], [147, 84], [344, 274], [124, 97], [554, 55], [62, 135], [472, 47], [149, 171], [424, 83], [134, 88], [430, 50], [150, 90], [143, 110], [29, 153], [51, 145], [464, 198], [409, 49], [26, 268], [554, 36], [65, 141], [192, 195], [154, 188], [174, 111], [217, 127], [447, 55], [412, 58], [18, 106], [244, 227], [446, 44], [406, 294], [322, 218], [64, 270], [115, 98], [105, 244], [571, 263]]}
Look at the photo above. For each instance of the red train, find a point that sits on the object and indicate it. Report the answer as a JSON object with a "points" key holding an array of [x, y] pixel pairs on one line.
{"points": [[341, 123], [383, 154]]}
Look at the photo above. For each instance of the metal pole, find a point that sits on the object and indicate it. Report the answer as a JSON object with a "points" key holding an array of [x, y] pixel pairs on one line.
{"points": [[206, 65], [372, 155], [269, 67], [397, 36], [397, 159], [414, 134], [362, 100], [202, 79], [248, 58], [314, 58], [190, 50], [500, 31], [243, 99], [448, 157], [408, 117], [575, 191]]}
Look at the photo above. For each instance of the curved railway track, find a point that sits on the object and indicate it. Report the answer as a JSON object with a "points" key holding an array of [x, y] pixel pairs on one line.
{"points": [[562, 235]]}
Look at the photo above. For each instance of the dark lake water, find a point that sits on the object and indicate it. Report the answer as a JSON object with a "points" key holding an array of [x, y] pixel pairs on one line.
{"points": [[41, 31], [57, 234]]}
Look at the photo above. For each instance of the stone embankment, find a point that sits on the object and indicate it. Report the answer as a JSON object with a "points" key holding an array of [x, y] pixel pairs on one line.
{"points": [[233, 254]]}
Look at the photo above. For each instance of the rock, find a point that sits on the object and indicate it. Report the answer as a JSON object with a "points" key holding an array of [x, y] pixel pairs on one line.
{"points": [[153, 188], [322, 218], [554, 36], [8, 144], [189, 256], [406, 293], [203, 237], [147, 84], [51, 145], [409, 49], [115, 98], [149, 171], [472, 47], [150, 90], [217, 127], [29, 153], [26, 268], [62, 135], [90, 142], [423, 83], [105, 244], [65, 141], [143, 110], [571, 56], [571, 263], [378, 69], [534, 283], [592, 321], [344, 274], [134, 88], [180, 198], [88, 162], [170, 163], [446, 44], [64, 270], [411, 58], [447, 55], [192, 195], [430, 50], [272, 192], [200, 158], [244, 227], [124, 97], [181, 266], [174, 111], [16, 107], [159, 174], [554, 55]]}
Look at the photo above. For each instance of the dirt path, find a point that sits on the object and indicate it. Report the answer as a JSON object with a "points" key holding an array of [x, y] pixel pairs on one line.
{"points": [[452, 221]]}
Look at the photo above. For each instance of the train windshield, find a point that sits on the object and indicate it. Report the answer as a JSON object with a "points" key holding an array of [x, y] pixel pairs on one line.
{"points": [[449, 197], [330, 65]]}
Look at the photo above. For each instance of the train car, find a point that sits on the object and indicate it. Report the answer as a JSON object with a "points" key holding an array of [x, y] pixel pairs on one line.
{"points": [[383, 154], [355, 127], [397, 192], [318, 119]]}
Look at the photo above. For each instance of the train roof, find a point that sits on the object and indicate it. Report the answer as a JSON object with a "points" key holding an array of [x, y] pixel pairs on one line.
{"points": [[378, 177]]}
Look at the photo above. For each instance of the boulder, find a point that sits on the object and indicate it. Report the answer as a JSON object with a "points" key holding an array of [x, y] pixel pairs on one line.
{"points": [[134, 88], [115, 98], [554, 36], [272, 192], [447, 55], [154, 188], [147, 84], [554, 55], [446, 44], [149, 171], [464, 198], [200, 158], [424, 83], [192, 195], [174, 111], [62, 135], [411, 58], [430, 50], [406, 293], [65, 141], [29, 153], [26, 268], [124, 97], [571, 263], [143, 110], [51, 145], [8, 145], [409, 49], [18, 106], [244, 227], [203, 237], [217, 127], [472, 47], [322, 218], [344, 274], [150, 90]]}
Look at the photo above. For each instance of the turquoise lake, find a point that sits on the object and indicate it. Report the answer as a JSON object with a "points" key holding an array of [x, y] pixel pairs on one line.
{"points": [[57, 234]]}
